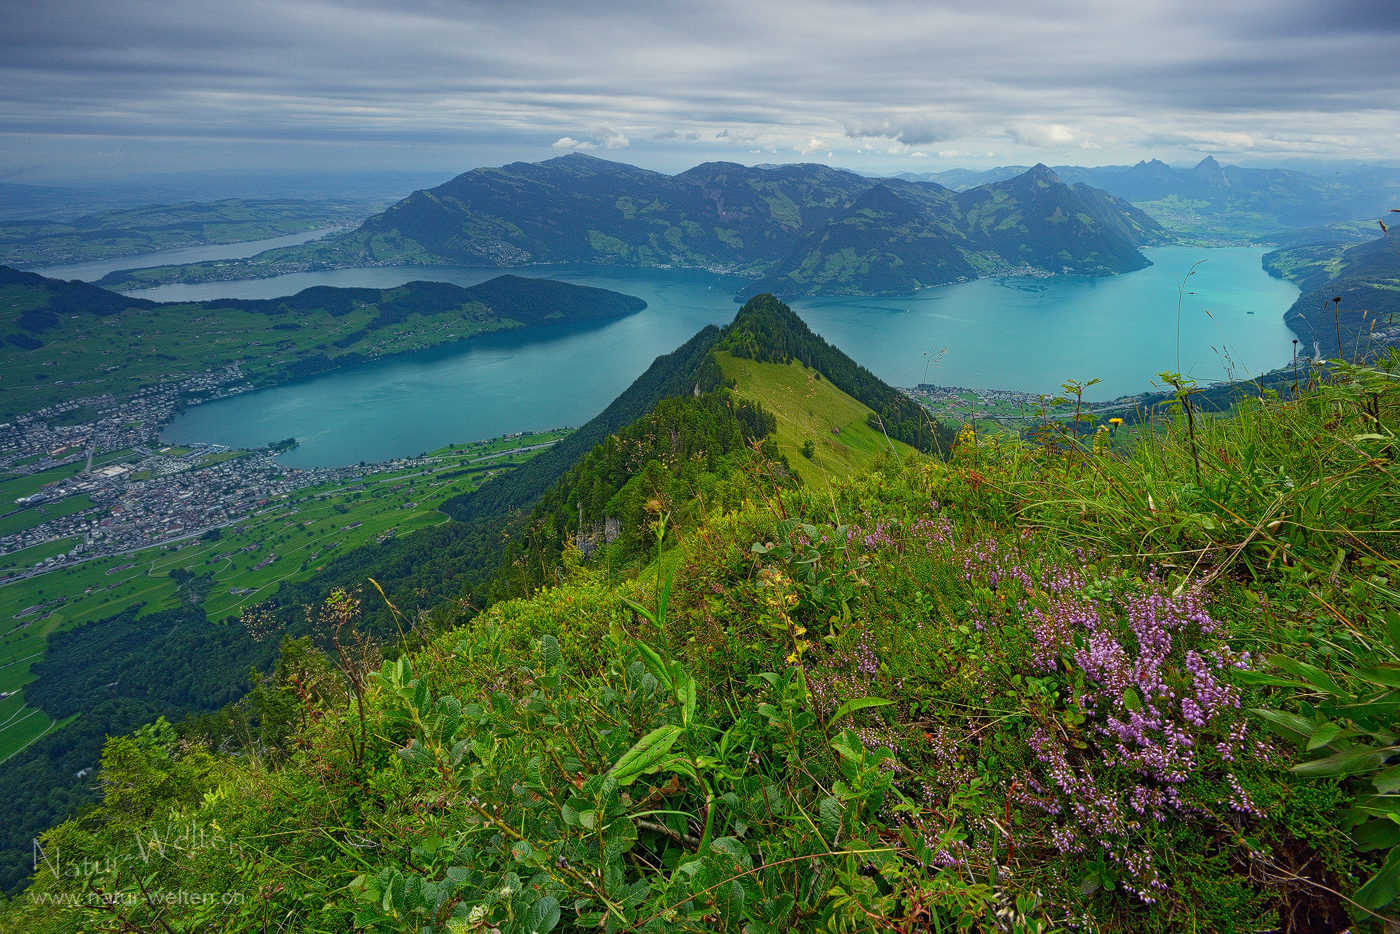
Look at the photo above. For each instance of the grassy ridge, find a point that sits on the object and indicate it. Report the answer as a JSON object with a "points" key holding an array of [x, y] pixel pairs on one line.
{"points": [[809, 408]]}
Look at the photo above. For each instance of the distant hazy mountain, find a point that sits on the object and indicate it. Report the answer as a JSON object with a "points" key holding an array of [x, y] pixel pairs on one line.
{"points": [[960, 179], [166, 226], [1216, 201], [807, 229]]}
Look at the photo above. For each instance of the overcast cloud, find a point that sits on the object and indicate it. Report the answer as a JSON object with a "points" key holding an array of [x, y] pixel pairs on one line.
{"points": [[124, 86]]}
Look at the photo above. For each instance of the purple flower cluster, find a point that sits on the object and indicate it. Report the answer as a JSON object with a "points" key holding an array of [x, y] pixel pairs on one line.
{"points": [[933, 531], [1147, 706], [847, 674], [986, 562], [875, 533]]}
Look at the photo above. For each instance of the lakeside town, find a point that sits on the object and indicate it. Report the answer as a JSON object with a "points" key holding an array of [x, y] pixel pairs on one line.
{"points": [[73, 493], [131, 491]]}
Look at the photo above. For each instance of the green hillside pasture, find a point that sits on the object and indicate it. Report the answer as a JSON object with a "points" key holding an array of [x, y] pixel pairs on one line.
{"points": [[32, 556], [27, 725], [303, 530], [810, 408]]}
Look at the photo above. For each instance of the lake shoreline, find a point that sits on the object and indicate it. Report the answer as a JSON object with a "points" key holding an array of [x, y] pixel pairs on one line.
{"points": [[1014, 334]]}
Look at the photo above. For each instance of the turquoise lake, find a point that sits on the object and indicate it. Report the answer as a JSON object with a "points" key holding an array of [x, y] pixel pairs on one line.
{"points": [[95, 269], [1003, 333]]}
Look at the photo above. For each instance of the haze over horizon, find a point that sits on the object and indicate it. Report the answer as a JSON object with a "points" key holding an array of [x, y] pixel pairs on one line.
{"points": [[105, 90]]}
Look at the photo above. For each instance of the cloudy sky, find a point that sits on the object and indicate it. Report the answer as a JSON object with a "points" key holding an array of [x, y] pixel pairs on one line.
{"points": [[125, 87]]}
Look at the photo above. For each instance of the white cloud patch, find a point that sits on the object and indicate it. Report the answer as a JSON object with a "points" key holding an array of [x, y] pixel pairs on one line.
{"points": [[609, 137], [811, 146], [345, 82], [1041, 135], [909, 130], [1221, 141]]}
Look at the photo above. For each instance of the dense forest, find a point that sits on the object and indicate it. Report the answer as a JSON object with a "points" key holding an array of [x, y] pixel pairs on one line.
{"points": [[115, 674]]}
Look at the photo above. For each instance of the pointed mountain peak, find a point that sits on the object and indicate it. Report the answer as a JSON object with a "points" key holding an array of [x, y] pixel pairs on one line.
{"points": [[1211, 172], [1041, 172]]}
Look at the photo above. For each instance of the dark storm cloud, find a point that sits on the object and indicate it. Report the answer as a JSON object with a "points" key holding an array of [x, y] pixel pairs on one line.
{"points": [[783, 76]]}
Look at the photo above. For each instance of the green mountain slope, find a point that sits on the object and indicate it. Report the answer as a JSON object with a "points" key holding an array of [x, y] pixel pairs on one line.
{"points": [[732, 403], [686, 370], [765, 330], [982, 695], [1366, 279], [1037, 220], [811, 410], [768, 331], [62, 340], [813, 228], [881, 244]]}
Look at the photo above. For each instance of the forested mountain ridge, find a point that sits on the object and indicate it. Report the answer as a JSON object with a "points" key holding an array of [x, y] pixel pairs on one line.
{"points": [[764, 329], [898, 237], [740, 219], [812, 229], [681, 456]]}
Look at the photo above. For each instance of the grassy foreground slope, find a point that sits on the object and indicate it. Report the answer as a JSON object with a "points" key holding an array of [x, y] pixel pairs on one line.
{"points": [[1037, 687]]}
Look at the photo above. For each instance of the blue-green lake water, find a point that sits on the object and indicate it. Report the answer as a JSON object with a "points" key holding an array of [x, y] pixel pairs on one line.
{"points": [[96, 269], [1004, 333]]}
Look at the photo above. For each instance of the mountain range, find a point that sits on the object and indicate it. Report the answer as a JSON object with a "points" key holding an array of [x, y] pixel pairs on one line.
{"points": [[800, 229], [1224, 200]]}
